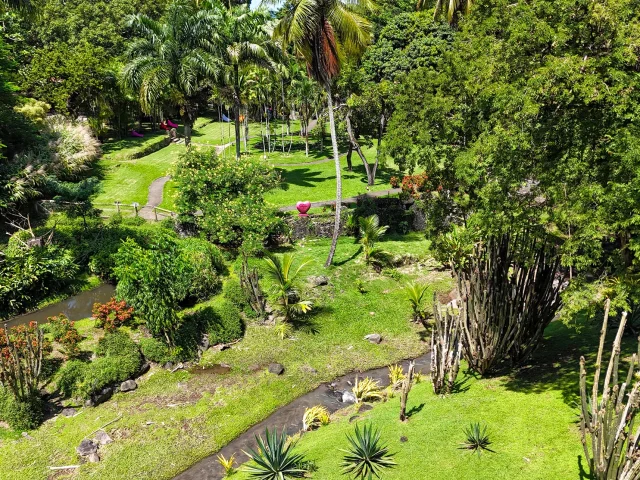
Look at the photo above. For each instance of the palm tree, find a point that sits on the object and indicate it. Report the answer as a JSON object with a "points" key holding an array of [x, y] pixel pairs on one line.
{"points": [[366, 456], [284, 277], [449, 8], [321, 32], [370, 233], [247, 43], [305, 94], [173, 59]]}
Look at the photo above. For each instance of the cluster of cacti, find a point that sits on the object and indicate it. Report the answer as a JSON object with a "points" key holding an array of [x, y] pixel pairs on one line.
{"points": [[607, 418], [446, 349], [509, 294]]}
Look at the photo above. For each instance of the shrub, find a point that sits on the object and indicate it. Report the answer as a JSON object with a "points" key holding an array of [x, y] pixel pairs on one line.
{"points": [[117, 344], [112, 314], [233, 291], [366, 389], [22, 415], [70, 376], [105, 371], [224, 323], [314, 417], [155, 350], [206, 263], [394, 181], [66, 334]]}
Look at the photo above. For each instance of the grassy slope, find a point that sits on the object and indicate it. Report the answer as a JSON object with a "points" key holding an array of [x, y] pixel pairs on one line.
{"points": [[531, 417], [197, 414]]}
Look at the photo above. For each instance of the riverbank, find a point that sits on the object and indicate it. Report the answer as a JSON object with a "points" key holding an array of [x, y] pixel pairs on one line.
{"points": [[173, 420]]}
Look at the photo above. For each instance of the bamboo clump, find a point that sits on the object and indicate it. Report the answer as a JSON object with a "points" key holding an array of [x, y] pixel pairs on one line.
{"points": [[446, 348], [607, 418]]}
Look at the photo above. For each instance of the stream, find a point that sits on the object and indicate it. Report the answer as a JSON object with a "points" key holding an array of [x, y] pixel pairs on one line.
{"points": [[289, 418], [76, 307]]}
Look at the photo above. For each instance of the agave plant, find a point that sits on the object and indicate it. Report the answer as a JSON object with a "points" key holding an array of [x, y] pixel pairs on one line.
{"points": [[366, 456], [284, 276], [315, 417], [227, 464], [415, 293], [274, 458], [476, 438], [366, 389], [370, 233]]}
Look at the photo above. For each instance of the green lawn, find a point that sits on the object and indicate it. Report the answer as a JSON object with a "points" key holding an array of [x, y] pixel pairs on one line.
{"points": [[212, 132], [317, 182], [128, 181], [195, 415], [123, 149]]}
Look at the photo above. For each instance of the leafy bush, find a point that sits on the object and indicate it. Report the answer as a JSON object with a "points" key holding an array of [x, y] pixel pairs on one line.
{"points": [[34, 110], [118, 360], [223, 321], [70, 376], [233, 291], [112, 314], [21, 415], [31, 275], [155, 350], [230, 195], [65, 333], [206, 263]]}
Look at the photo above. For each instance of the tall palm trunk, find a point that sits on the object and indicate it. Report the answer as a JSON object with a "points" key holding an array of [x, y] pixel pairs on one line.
{"points": [[236, 102], [336, 158]]}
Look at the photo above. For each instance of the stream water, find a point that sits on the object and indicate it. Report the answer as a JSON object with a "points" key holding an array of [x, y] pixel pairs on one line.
{"points": [[289, 418], [76, 307]]}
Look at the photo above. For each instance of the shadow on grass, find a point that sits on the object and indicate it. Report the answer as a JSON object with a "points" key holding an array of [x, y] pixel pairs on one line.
{"points": [[555, 365], [307, 323], [352, 257], [303, 177], [415, 409]]}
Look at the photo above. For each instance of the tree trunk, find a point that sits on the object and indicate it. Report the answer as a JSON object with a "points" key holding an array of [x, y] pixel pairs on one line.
{"points": [[236, 102], [336, 158], [406, 388], [246, 128], [349, 153], [353, 143]]}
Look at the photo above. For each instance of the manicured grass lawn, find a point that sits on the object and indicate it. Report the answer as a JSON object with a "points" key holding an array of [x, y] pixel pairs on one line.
{"points": [[531, 416], [128, 181], [210, 131], [317, 182], [173, 420]]}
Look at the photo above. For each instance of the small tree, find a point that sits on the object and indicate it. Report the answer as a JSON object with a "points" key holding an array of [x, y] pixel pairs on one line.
{"points": [[66, 334], [446, 347], [284, 278], [112, 314], [370, 234], [607, 418], [22, 350], [415, 293]]}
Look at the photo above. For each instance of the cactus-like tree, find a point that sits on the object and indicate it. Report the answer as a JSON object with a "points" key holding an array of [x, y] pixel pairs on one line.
{"points": [[446, 348], [610, 438]]}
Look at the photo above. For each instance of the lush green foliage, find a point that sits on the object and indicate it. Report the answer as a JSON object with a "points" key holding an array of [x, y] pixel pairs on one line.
{"points": [[155, 350], [207, 264], [154, 281], [370, 233], [230, 195], [222, 321], [284, 279]]}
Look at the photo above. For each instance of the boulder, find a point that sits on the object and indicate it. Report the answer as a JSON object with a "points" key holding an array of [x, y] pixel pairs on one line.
{"points": [[146, 366], [319, 281], [276, 368], [86, 448], [68, 412], [403, 439], [348, 397], [204, 343], [168, 366], [103, 437], [100, 397], [373, 337], [128, 386], [93, 458]]}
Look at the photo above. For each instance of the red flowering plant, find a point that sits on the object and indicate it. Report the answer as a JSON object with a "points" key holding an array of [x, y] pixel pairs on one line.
{"points": [[112, 314], [22, 349], [66, 334], [417, 185], [394, 181]]}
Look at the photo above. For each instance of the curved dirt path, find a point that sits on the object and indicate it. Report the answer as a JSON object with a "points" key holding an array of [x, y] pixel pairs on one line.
{"points": [[154, 198]]}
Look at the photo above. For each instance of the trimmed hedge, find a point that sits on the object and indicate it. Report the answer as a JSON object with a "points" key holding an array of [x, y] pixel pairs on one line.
{"points": [[155, 350]]}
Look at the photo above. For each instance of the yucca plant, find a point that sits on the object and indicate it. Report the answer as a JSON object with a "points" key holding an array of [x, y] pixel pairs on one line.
{"points": [[476, 438], [315, 417], [274, 459], [415, 293], [396, 376], [367, 456], [227, 464], [366, 389], [370, 233], [283, 275]]}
